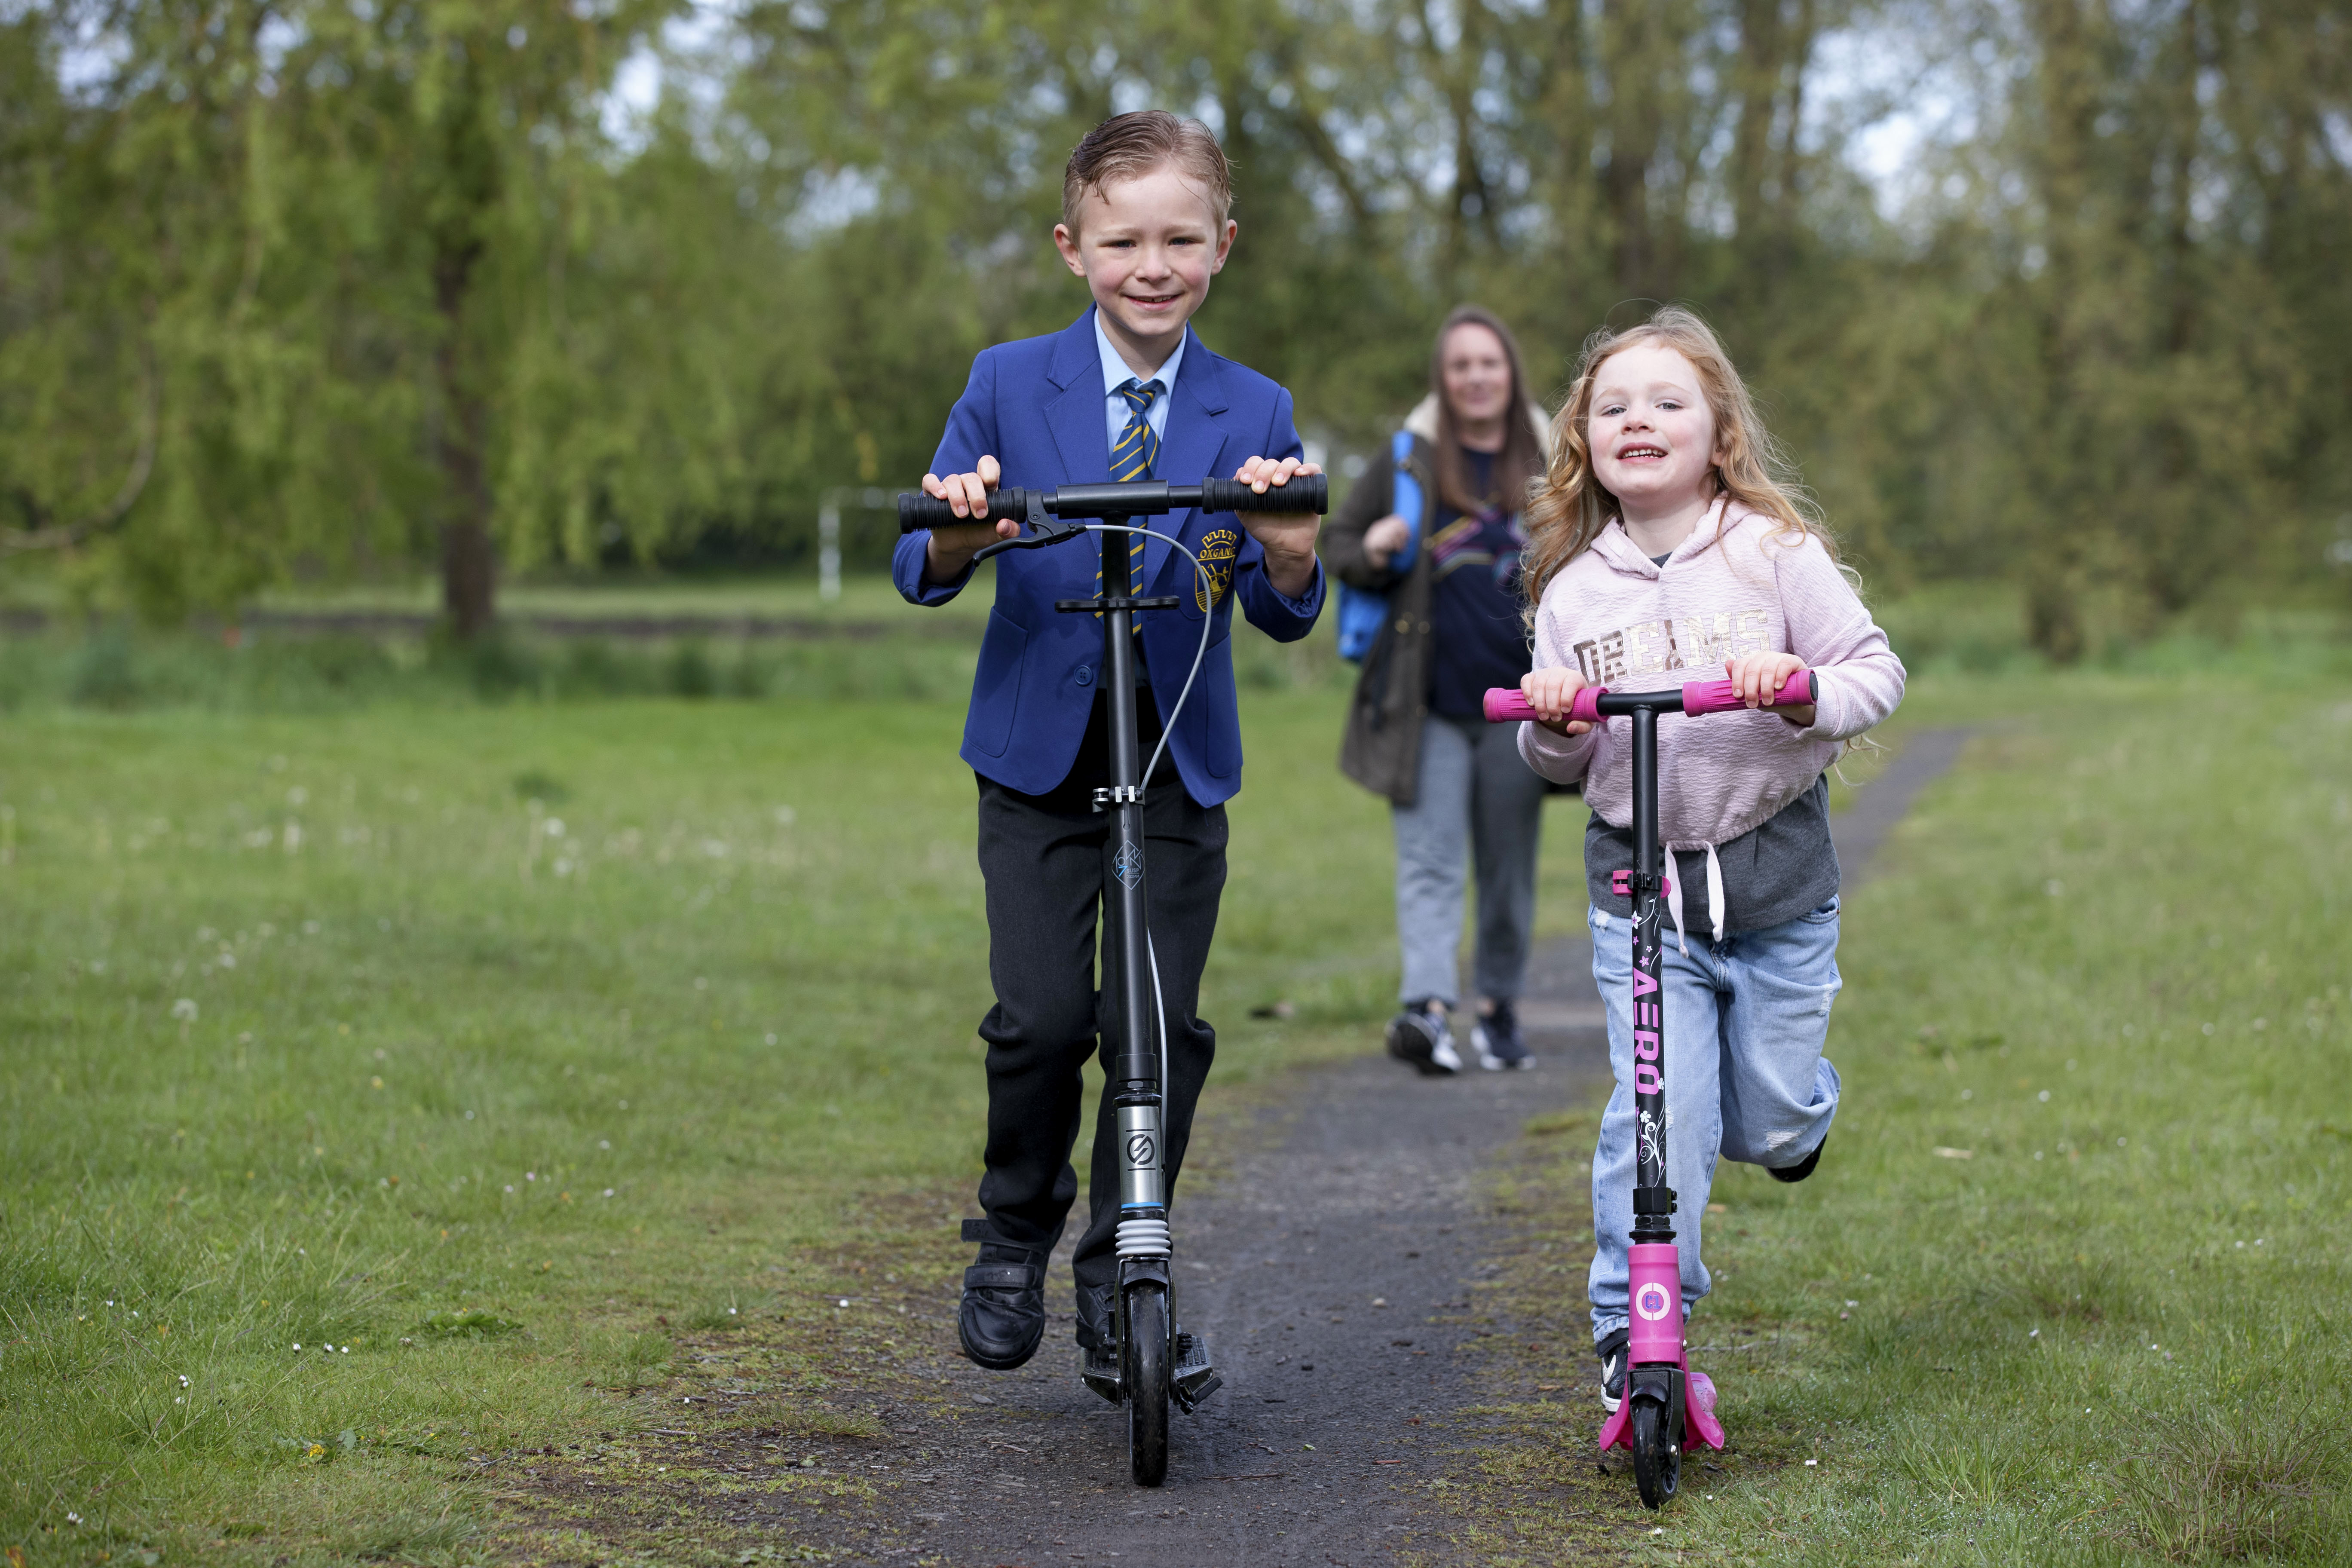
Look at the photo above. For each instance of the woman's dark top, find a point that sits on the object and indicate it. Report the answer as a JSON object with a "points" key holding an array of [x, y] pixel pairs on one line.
{"points": [[1479, 637]]}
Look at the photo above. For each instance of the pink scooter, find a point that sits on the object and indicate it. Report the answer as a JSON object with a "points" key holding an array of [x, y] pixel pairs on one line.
{"points": [[1667, 1404]]}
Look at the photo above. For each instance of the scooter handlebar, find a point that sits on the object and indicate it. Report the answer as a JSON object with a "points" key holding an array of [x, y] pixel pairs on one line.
{"points": [[1507, 704], [1303, 493], [918, 511]]}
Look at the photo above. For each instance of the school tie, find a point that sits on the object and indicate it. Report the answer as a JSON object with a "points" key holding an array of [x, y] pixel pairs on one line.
{"points": [[1130, 460]]}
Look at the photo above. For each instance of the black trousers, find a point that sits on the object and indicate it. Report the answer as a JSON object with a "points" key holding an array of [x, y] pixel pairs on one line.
{"points": [[1044, 859]]}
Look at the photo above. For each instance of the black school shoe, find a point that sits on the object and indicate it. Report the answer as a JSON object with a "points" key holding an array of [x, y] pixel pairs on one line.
{"points": [[1003, 1315], [1802, 1168], [1611, 1351]]}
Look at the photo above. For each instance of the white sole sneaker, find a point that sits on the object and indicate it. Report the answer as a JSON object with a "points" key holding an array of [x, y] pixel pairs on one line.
{"points": [[1425, 1041], [1442, 1054]]}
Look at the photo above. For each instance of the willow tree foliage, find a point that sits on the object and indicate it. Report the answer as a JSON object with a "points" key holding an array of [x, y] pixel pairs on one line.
{"points": [[320, 286]]}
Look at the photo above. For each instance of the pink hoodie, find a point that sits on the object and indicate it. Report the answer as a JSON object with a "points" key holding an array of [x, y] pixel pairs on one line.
{"points": [[1737, 585]]}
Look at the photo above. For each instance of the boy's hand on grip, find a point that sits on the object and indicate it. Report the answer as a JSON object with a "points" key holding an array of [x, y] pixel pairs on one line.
{"points": [[1287, 537], [1756, 678], [1549, 692], [951, 548]]}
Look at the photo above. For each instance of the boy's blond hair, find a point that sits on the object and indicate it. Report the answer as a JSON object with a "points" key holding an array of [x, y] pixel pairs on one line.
{"points": [[1127, 146], [1570, 507]]}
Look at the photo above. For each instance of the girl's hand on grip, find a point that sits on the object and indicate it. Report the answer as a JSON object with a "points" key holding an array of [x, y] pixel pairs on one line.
{"points": [[1756, 678], [1549, 692]]}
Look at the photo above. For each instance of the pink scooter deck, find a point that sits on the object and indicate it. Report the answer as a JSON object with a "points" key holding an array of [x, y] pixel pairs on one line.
{"points": [[1656, 1335]]}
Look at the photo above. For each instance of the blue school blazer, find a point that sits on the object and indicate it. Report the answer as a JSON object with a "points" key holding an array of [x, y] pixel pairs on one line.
{"points": [[1036, 406]]}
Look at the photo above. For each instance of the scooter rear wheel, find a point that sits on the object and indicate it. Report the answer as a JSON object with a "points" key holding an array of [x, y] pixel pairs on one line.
{"points": [[1148, 1372], [1658, 1466]]}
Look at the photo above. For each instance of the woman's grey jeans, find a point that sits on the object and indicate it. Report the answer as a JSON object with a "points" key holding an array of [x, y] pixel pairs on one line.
{"points": [[1476, 799]]}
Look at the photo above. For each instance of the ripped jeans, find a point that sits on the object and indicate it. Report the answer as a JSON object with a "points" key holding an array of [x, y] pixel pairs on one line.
{"points": [[1745, 1075]]}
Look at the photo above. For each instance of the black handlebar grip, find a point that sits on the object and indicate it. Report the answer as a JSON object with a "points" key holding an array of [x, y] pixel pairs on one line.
{"points": [[1305, 492], [918, 511]]}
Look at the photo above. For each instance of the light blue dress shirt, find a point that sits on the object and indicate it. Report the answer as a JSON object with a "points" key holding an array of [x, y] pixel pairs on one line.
{"points": [[1116, 412]]}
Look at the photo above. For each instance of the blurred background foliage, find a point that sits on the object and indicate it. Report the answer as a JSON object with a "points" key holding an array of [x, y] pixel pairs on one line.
{"points": [[2040, 293]]}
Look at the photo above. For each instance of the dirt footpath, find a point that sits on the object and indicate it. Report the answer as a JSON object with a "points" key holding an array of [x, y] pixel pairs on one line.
{"points": [[1338, 1264], [1335, 1268]]}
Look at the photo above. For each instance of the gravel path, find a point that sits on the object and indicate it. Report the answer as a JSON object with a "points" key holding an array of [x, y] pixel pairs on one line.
{"points": [[1333, 1265]]}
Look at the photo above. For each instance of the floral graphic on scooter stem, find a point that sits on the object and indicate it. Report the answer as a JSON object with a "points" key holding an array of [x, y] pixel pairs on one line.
{"points": [[1653, 1153]]}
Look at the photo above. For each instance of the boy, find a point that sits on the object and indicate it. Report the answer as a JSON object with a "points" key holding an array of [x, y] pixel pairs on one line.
{"points": [[1128, 391]]}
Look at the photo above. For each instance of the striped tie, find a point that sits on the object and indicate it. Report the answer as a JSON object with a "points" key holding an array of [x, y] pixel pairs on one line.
{"points": [[1132, 459]]}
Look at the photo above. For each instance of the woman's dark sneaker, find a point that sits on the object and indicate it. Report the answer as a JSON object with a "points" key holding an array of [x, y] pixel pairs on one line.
{"points": [[1003, 1315], [1419, 1036], [1802, 1168], [1495, 1038], [1613, 1370]]}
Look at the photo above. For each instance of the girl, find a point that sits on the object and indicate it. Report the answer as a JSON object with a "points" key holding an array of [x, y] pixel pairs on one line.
{"points": [[1663, 545], [1417, 730]]}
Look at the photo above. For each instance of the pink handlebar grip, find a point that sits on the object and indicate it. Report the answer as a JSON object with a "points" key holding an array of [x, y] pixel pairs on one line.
{"points": [[1507, 704], [1715, 697]]}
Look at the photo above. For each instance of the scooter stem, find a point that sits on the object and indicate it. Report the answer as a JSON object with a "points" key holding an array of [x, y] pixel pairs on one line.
{"points": [[1135, 1072], [1654, 1201]]}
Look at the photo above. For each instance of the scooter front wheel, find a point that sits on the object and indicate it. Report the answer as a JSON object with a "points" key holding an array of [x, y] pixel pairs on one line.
{"points": [[1658, 1461], [1147, 1372]]}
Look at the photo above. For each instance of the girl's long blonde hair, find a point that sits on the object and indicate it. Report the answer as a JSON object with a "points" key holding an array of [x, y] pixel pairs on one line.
{"points": [[1569, 507]]}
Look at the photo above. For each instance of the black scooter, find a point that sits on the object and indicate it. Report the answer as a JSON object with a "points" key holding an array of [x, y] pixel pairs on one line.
{"points": [[1148, 1375]]}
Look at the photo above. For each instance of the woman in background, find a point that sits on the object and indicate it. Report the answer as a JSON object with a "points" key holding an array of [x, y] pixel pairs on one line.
{"points": [[1447, 556]]}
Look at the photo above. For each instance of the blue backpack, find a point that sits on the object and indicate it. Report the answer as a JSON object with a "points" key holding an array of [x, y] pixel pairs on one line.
{"points": [[1364, 611]]}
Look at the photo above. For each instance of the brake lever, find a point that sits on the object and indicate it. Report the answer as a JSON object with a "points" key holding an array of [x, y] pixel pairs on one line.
{"points": [[1043, 530]]}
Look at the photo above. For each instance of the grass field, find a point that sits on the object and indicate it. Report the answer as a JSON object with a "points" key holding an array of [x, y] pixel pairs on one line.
{"points": [[503, 1046], [2070, 1285], [494, 1047]]}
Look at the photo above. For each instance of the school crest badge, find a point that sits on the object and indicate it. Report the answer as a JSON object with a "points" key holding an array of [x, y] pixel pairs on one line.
{"points": [[1218, 548]]}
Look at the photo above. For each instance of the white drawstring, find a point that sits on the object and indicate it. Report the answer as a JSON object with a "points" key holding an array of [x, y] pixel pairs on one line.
{"points": [[1714, 894]]}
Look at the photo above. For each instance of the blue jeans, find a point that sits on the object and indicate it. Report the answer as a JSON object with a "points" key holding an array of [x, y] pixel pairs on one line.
{"points": [[1745, 1075], [1476, 799]]}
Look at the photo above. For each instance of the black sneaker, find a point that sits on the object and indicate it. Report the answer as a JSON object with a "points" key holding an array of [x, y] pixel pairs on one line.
{"points": [[1802, 1168], [1495, 1038], [1613, 1370], [1419, 1036]]}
